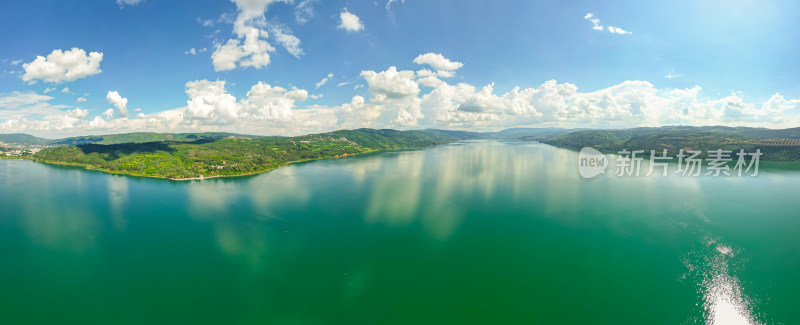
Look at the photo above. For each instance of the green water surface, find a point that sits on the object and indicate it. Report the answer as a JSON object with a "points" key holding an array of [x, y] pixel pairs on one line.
{"points": [[483, 232]]}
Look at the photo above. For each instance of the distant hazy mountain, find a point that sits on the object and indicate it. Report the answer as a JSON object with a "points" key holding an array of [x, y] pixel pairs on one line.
{"points": [[783, 144], [137, 137], [23, 139], [565, 136], [142, 137], [761, 133], [530, 133]]}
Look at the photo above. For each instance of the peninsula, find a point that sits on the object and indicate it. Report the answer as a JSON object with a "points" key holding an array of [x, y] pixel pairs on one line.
{"points": [[200, 156], [185, 156]]}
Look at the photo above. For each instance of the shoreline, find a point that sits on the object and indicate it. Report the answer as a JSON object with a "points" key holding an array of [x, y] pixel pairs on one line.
{"points": [[793, 165], [90, 167]]}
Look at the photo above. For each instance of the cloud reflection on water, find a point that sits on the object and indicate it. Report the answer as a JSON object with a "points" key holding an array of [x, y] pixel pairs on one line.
{"points": [[428, 186], [118, 199], [329, 207], [59, 224]]}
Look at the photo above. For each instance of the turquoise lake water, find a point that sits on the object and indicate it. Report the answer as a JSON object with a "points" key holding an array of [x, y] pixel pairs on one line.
{"points": [[485, 232]]}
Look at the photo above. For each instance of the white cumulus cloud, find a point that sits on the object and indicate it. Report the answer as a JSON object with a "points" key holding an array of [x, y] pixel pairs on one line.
{"points": [[406, 99], [391, 83], [60, 66], [350, 22], [211, 105], [119, 102], [443, 66], [26, 112], [250, 47], [270, 102], [253, 52], [209, 101]]}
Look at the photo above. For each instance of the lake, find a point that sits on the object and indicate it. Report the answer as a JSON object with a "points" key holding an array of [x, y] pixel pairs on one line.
{"points": [[485, 232]]}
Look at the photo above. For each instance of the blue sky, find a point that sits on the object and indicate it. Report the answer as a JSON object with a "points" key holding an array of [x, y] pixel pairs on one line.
{"points": [[672, 62]]}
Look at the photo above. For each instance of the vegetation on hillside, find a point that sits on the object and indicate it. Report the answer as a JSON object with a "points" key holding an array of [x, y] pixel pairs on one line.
{"points": [[21, 139], [528, 133], [234, 156], [779, 145], [196, 155], [142, 137]]}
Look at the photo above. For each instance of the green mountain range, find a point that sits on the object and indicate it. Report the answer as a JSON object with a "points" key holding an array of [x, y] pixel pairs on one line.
{"points": [[214, 154], [235, 155], [21, 139], [775, 144]]}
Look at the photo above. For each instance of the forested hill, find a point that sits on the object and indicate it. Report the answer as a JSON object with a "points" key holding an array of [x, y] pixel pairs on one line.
{"points": [[21, 139], [232, 156], [196, 155], [783, 144], [142, 137]]}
